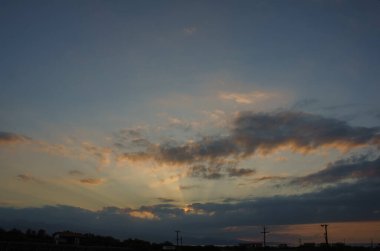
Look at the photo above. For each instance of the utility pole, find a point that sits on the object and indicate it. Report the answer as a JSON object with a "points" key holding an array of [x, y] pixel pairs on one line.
{"points": [[326, 237], [177, 239], [265, 232]]}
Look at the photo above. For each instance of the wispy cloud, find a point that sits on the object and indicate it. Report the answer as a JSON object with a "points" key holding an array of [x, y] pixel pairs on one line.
{"points": [[76, 173], [102, 154], [92, 181], [239, 172], [189, 31], [28, 178], [61, 149], [188, 187], [246, 98], [57, 149], [7, 138], [265, 178], [181, 124]]}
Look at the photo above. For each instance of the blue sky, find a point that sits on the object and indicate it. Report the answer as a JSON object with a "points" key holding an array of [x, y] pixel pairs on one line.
{"points": [[175, 113]]}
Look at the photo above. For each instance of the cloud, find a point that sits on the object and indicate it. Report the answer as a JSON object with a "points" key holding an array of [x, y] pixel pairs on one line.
{"points": [[166, 200], [143, 215], [192, 209], [183, 125], [246, 98], [264, 178], [76, 173], [188, 187], [206, 172], [28, 178], [7, 138], [56, 149], [353, 168], [238, 172], [92, 181], [102, 154], [190, 30], [302, 132], [256, 133], [65, 150]]}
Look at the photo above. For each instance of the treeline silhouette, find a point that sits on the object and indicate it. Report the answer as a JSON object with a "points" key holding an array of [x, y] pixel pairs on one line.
{"points": [[17, 240], [28, 236], [87, 239], [40, 240]]}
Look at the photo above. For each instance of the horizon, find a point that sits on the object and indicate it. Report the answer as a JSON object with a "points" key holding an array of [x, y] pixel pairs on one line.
{"points": [[138, 118], [44, 235]]}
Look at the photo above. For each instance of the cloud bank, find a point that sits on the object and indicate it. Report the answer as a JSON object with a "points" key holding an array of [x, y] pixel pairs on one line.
{"points": [[207, 222]]}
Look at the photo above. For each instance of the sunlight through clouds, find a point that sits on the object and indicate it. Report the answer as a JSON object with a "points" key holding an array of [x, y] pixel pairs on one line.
{"points": [[135, 119]]}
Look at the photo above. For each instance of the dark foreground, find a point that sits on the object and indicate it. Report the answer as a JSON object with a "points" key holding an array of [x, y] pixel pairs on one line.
{"points": [[24, 246]]}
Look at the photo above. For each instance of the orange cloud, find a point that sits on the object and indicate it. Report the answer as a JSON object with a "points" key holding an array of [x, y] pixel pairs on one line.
{"points": [[189, 209], [143, 215], [56, 149]]}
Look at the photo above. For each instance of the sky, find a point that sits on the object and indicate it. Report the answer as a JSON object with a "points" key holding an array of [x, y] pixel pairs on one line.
{"points": [[216, 118]]}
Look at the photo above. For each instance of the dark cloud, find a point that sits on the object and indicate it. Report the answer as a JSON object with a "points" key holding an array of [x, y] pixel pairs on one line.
{"points": [[166, 200], [238, 172], [205, 172], [352, 168], [189, 187], [255, 133], [262, 132], [12, 138], [206, 222], [265, 178]]}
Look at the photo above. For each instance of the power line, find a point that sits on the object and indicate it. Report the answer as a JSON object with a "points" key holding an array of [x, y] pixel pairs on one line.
{"points": [[177, 238], [325, 234], [265, 232]]}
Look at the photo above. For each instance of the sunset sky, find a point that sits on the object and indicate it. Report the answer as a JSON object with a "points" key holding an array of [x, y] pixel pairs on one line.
{"points": [[138, 118]]}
